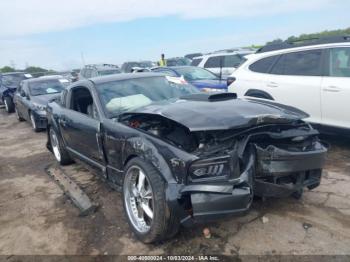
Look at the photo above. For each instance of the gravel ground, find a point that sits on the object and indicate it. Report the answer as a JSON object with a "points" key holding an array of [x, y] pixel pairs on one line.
{"points": [[37, 218]]}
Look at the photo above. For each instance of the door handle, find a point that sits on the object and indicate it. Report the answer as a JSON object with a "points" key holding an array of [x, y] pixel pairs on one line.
{"points": [[272, 84], [333, 89]]}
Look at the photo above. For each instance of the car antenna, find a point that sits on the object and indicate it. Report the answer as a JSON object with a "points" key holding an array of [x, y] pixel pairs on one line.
{"points": [[221, 59]]}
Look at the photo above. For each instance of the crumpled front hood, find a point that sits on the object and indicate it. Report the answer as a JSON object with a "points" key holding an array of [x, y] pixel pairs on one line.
{"points": [[218, 84], [222, 115], [44, 99]]}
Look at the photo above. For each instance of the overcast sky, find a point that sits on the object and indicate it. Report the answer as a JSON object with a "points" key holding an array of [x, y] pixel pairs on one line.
{"points": [[64, 34]]}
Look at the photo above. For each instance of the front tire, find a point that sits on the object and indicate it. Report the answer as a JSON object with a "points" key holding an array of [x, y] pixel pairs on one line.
{"points": [[9, 105], [18, 116], [32, 120], [58, 149], [145, 204]]}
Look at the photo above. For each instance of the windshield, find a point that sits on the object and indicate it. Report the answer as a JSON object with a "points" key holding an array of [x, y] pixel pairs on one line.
{"points": [[109, 72], [196, 73], [134, 64], [178, 61], [146, 64], [121, 96], [45, 87], [12, 80]]}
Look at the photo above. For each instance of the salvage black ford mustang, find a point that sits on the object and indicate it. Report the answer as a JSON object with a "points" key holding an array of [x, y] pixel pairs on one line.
{"points": [[181, 156]]}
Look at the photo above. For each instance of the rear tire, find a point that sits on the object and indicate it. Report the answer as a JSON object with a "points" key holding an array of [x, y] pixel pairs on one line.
{"points": [[9, 105], [59, 151], [162, 223]]}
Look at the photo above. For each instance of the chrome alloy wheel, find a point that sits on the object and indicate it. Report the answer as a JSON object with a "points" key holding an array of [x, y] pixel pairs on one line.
{"points": [[32, 118], [55, 145], [138, 197], [17, 114], [6, 106]]}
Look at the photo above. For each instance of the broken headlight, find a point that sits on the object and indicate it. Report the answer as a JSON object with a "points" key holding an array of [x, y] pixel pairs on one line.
{"points": [[39, 107], [210, 168]]}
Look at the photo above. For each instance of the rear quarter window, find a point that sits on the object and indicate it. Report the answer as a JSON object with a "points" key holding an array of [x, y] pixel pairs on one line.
{"points": [[305, 63], [263, 65], [196, 62], [232, 60], [214, 62]]}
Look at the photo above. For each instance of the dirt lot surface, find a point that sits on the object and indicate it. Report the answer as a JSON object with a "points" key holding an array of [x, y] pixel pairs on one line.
{"points": [[37, 218]]}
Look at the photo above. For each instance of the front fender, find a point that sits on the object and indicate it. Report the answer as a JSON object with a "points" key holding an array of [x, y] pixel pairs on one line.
{"points": [[145, 149]]}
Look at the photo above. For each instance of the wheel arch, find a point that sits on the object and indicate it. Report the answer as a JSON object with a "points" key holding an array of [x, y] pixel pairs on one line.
{"points": [[146, 150], [258, 93], [51, 123], [128, 158]]}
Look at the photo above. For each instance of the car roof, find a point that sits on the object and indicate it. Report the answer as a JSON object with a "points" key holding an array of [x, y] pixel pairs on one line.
{"points": [[238, 52], [176, 58], [174, 68], [137, 62], [123, 76], [295, 49], [184, 66], [102, 66], [43, 78], [304, 42]]}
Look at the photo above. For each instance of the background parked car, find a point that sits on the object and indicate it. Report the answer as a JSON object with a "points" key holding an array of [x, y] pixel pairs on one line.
{"points": [[313, 76], [221, 63], [32, 97], [178, 61], [199, 77], [129, 67], [89, 71], [192, 55], [9, 82]]}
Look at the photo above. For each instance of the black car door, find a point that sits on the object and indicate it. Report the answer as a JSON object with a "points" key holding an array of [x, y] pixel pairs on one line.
{"points": [[17, 99], [80, 126], [21, 100]]}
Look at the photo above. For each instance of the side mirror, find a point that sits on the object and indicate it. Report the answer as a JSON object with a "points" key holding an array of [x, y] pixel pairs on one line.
{"points": [[22, 93]]}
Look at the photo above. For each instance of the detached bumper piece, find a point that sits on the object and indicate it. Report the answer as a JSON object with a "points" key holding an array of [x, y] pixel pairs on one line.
{"points": [[282, 172], [213, 201]]}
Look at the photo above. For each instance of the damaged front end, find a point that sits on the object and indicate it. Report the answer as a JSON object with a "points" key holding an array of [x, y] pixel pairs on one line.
{"points": [[272, 157]]}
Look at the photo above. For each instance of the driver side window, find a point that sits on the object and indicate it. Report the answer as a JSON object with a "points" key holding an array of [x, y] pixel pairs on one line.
{"points": [[339, 62], [82, 102]]}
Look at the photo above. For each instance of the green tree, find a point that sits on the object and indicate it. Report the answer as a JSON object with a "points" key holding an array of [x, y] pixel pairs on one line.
{"points": [[276, 41], [7, 69], [35, 69], [303, 37]]}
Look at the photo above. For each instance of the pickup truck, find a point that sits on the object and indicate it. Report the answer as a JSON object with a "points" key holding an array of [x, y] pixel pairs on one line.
{"points": [[181, 156]]}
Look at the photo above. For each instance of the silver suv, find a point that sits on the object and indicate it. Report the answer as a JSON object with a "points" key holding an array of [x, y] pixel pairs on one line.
{"points": [[89, 71], [222, 62]]}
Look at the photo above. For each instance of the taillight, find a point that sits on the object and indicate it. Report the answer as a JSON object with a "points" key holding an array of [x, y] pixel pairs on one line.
{"points": [[230, 80]]}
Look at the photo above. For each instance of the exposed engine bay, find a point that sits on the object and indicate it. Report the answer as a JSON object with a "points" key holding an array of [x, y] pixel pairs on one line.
{"points": [[164, 128], [288, 156], [295, 137]]}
